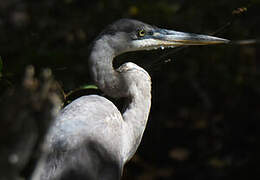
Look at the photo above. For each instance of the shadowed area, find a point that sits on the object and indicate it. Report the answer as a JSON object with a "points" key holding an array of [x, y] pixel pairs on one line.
{"points": [[205, 111]]}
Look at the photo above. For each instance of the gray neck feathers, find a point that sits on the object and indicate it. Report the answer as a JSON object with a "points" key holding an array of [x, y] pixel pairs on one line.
{"points": [[136, 116], [103, 73], [136, 89]]}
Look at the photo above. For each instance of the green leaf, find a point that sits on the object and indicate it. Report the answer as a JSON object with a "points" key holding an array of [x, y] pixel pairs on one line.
{"points": [[89, 86]]}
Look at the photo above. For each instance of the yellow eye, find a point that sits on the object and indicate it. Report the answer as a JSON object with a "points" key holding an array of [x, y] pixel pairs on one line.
{"points": [[141, 33]]}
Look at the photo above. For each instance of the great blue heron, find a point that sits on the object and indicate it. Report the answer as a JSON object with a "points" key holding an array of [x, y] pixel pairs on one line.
{"points": [[90, 138]]}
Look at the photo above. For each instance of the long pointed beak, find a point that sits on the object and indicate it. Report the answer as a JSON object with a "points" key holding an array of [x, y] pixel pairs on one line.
{"points": [[175, 38]]}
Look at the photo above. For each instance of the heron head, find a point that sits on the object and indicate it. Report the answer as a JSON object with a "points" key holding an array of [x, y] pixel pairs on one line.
{"points": [[131, 35]]}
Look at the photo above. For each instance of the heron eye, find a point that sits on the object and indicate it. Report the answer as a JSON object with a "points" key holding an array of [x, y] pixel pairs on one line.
{"points": [[141, 33]]}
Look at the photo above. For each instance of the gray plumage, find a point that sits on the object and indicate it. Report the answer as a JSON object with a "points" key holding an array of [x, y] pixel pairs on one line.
{"points": [[112, 139], [90, 138]]}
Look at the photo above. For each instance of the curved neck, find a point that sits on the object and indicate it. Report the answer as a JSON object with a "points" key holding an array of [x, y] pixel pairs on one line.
{"points": [[103, 73], [136, 116], [115, 85]]}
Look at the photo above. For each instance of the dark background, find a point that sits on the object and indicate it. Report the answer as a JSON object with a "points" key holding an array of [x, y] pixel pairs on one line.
{"points": [[206, 100]]}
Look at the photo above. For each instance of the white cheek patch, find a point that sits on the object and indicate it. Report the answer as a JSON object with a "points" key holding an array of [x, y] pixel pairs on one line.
{"points": [[149, 44]]}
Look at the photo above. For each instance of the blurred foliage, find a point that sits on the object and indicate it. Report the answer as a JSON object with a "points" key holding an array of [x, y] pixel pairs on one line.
{"points": [[1, 67], [205, 112], [26, 113]]}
